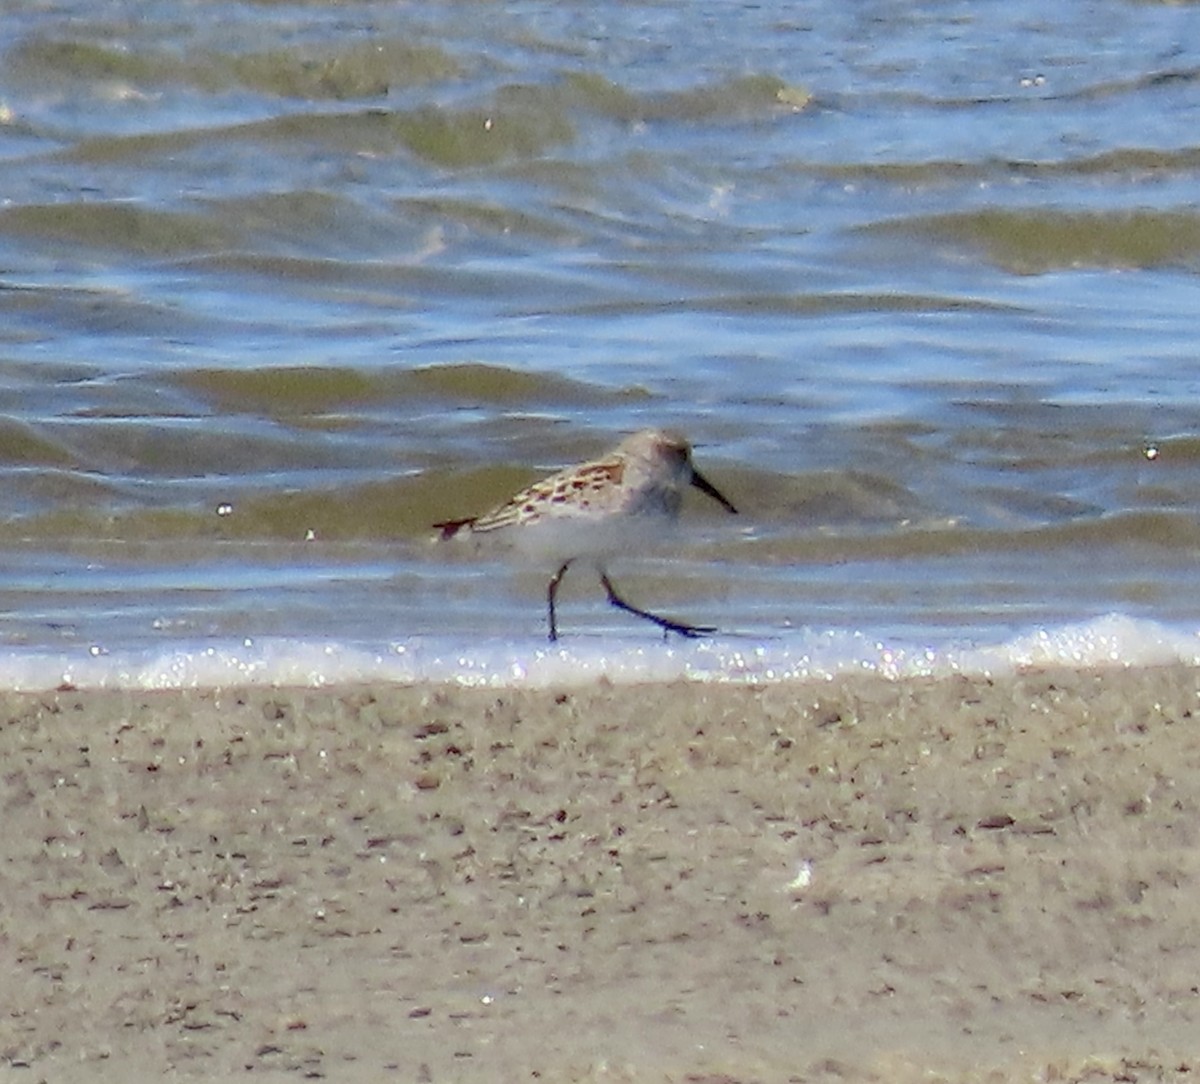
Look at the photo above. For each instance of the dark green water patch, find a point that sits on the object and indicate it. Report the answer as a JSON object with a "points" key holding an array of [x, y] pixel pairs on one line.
{"points": [[1032, 242], [354, 71], [23, 445], [135, 229], [739, 98], [312, 390]]}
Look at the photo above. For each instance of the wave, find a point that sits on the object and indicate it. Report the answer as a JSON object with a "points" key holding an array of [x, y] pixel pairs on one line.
{"points": [[800, 657]]}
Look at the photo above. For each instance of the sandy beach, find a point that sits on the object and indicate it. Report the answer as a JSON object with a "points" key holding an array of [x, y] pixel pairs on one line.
{"points": [[861, 880]]}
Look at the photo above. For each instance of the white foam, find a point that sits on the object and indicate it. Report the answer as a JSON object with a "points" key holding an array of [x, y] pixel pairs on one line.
{"points": [[1114, 640]]}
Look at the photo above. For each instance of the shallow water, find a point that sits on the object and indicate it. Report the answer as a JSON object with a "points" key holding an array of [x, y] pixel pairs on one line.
{"points": [[282, 284]]}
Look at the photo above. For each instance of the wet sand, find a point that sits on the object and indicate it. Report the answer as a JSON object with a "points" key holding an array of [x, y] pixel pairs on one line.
{"points": [[959, 879]]}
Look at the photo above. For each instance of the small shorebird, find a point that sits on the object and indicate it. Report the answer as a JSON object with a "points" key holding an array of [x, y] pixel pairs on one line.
{"points": [[598, 509]]}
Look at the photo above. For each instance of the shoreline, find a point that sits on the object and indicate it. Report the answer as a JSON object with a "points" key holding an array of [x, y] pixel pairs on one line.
{"points": [[859, 879]]}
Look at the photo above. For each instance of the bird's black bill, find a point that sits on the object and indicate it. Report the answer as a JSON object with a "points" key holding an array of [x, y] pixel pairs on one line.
{"points": [[705, 486]]}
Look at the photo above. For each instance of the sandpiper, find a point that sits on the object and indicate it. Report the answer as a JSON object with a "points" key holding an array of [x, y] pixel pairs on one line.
{"points": [[598, 509]]}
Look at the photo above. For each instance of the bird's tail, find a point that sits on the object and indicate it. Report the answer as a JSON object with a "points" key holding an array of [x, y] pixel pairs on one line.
{"points": [[451, 527]]}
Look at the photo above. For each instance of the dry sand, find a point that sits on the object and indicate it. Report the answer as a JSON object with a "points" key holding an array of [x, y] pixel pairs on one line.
{"points": [[959, 879]]}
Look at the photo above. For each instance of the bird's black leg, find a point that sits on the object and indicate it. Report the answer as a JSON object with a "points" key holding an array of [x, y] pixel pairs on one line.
{"points": [[664, 623], [550, 596]]}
